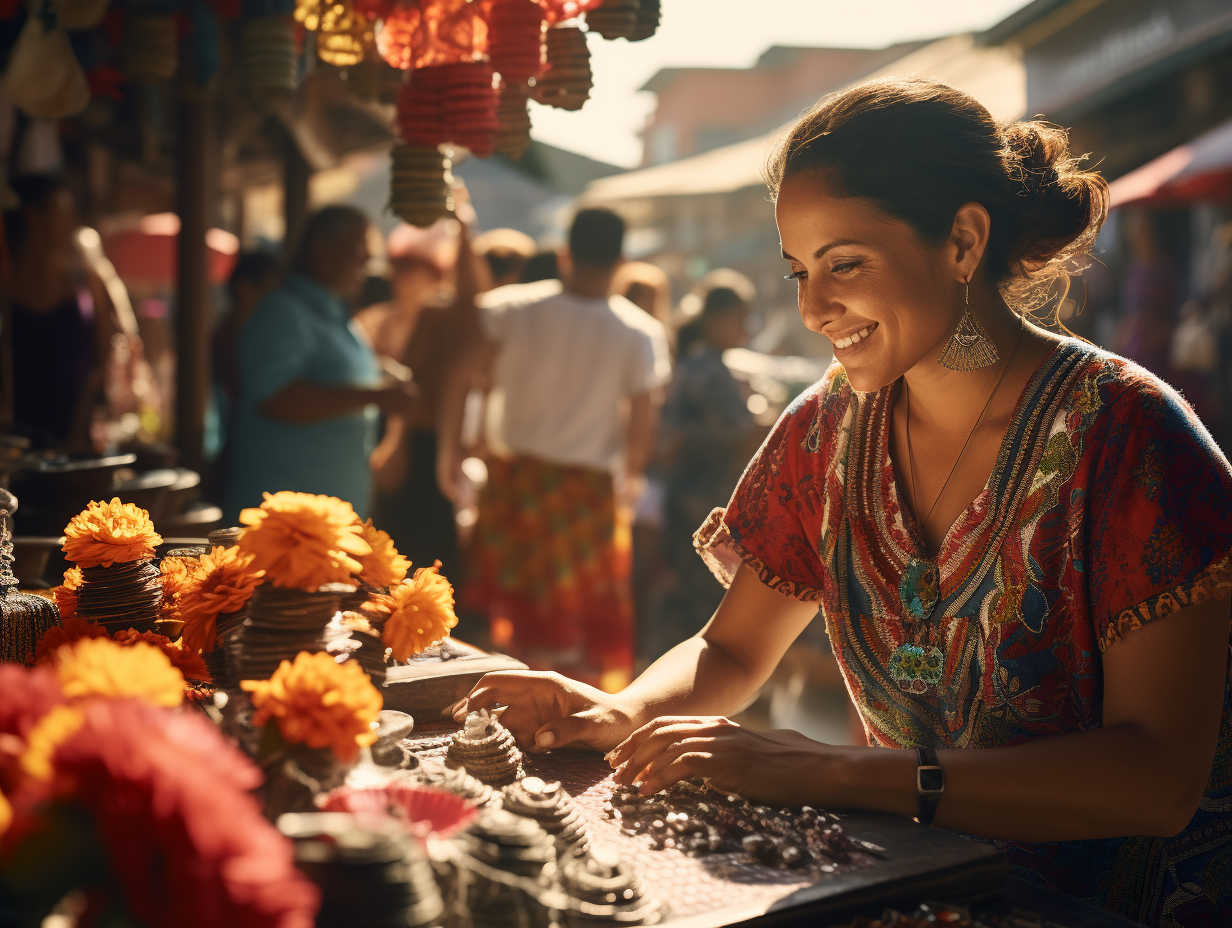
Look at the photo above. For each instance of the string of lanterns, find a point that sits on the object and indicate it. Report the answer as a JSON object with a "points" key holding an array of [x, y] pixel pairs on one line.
{"points": [[469, 68]]}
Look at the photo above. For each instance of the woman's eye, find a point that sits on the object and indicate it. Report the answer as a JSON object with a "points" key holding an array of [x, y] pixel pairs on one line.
{"points": [[844, 267], [796, 275]]}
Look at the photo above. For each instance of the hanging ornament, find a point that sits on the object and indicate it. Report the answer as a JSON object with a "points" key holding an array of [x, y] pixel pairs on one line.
{"points": [[24, 617], [44, 78], [648, 15], [515, 46], [616, 19], [567, 81], [434, 32], [421, 185], [342, 32], [267, 50], [149, 49], [513, 118], [421, 122], [468, 102]]}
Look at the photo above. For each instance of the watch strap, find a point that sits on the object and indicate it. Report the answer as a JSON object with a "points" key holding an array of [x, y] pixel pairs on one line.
{"points": [[929, 785]]}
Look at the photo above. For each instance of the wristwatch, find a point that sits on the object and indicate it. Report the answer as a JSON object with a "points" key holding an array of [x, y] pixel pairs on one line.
{"points": [[929, 784]]}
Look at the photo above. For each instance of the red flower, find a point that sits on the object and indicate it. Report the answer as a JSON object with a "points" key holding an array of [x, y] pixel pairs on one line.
{"points": [[168, 796]]}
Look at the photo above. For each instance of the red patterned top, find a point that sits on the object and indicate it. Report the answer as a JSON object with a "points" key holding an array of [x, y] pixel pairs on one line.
{"points": [[1109, 506]]}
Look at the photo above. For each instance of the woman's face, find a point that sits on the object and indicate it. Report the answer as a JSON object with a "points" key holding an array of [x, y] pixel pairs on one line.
{"points": [[866, 282]]}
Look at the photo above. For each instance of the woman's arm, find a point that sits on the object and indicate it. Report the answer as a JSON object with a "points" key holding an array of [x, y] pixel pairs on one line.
{"points": [[1142, 773], [303, 401]]}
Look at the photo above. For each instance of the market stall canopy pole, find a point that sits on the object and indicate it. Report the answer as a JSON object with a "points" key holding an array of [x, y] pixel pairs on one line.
{"points": [[196, 139], [1198, 170], [296, 175]]}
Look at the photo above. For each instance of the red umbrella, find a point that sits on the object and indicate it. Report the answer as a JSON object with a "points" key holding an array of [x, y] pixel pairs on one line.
{"points": [[1198, 170], [147, 253]]}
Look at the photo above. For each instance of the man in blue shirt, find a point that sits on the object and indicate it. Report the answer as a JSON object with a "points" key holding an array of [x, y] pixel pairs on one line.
{"points": [[310, 393]]}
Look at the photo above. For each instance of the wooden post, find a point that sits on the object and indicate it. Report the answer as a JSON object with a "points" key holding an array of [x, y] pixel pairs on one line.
{"points": [[195, 139], [295, 176]]}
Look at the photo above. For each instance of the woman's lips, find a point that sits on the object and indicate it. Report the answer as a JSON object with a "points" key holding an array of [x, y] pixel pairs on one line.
{"points": [[854, 338]]}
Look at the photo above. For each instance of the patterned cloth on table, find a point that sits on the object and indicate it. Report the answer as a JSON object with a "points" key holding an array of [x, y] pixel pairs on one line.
{"points": [[551, 571], [1109, 507]]}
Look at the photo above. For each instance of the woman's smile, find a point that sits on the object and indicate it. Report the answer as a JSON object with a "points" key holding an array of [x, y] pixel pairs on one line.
{"points": [[848, 341]]}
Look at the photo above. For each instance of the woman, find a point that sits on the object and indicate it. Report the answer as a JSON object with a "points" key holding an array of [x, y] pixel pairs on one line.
{"points": [[1022, 553]]}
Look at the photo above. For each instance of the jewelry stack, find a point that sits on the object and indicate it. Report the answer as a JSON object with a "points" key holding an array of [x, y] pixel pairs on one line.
{"points": [[486, 749], [616, 19], [280, 624], [504, 866], [459, 783], [374, 868], [267, 50], [604, 888], [24, 617], [554, 810], [567, 81]]}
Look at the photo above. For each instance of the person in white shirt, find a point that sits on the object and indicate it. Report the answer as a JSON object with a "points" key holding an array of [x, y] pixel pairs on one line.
{"points": [[575, 376]]}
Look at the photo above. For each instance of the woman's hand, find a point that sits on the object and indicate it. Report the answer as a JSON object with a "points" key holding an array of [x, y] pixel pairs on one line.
{"points": [[546, 711], [778, 768]]}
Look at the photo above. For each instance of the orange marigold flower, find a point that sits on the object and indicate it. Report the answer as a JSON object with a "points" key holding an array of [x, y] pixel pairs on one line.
{"points": [[70, 629], [103, 534], [303, 541], [384, 566], [223, 582], [174, 573], [66, 602], [102, 667], [58, 725], [6, 814], [319, 702], [420, 612], [73, 579], [187, 662]]}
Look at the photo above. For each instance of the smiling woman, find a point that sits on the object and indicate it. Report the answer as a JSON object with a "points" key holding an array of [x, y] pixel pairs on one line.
{"points": [[1021, 545]]}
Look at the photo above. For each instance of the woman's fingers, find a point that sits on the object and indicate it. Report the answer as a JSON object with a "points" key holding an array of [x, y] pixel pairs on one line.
{"points": [[683, 765], [630, 754], [652, 746], [623, 751], [499, 688]]}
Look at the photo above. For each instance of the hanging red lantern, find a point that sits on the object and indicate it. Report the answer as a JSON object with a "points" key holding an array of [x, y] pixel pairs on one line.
{"points": [[469, 106], [567, 80], [515, 44], [616, 19], [434, 33], [513, 118], [557, 11]]}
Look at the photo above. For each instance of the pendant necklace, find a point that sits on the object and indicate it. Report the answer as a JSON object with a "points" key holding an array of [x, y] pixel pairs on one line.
{"points": [[917, 667]]}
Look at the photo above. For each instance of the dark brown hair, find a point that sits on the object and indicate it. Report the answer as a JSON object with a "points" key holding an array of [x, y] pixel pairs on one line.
{"points": [[919, 150]]}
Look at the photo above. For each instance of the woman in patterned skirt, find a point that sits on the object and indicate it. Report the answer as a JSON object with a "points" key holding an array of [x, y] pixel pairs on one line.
{"points": [[1020, 543]]}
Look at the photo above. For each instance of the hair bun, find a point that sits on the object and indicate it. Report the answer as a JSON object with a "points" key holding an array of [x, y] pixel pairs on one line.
{"points": [[1057, 206]]}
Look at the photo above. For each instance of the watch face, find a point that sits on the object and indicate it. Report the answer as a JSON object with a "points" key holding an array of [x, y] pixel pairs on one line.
{"points": [[931, 779]]}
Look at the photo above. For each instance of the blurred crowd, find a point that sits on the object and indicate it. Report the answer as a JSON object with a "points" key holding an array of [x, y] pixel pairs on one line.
{"points": [[552, 426]]}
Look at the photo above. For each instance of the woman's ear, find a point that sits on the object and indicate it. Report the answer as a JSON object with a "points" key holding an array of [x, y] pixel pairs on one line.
{"points": [[969, 238]]}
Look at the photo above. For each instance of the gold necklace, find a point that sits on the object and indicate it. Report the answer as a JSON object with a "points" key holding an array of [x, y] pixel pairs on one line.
{"points": [[970, 435]]}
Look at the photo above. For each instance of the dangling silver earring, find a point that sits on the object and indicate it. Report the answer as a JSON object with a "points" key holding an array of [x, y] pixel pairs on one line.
{"points": [[969, 348]]}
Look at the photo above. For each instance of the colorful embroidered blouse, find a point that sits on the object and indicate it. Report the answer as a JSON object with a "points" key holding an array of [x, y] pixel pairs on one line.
{"points": [[1108, 507]]}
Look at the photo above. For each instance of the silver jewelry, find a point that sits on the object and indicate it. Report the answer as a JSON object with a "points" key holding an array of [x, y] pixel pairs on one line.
{"points": [[969, 348]]}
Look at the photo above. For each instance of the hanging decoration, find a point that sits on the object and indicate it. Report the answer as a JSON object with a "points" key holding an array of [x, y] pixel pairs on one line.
{"points": [[450, 104], [267, 50], [513, 118], [616, 19], [149, 51], [567, 79], [434, 32], [44, 78], [558, 11], [515, 45], [343, 33], [421, 185]]}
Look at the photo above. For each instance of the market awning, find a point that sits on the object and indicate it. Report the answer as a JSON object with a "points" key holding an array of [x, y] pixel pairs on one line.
{"points": [[1198, 170], [994, 76]]}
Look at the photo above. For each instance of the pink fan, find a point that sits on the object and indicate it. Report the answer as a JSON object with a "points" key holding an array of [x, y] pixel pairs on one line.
{"points": [[426, 812]]}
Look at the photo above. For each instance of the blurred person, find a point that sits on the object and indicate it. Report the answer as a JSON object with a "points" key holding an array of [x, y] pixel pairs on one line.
{"points": [[707, 435], [310, 385], [541, 266], [574, 372], [647, 287], [419, 329], [506, 252], [255, 274], [1152, 295], [62, 319]]}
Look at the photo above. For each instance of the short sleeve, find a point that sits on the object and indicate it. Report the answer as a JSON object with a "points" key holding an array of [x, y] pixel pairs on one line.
{"points": [[786, 510], [1159, 533], [495, 322], [642, 372], [274, 348]]}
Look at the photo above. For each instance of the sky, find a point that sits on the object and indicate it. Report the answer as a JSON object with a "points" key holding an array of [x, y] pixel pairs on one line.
{"points": [[732, 34]]}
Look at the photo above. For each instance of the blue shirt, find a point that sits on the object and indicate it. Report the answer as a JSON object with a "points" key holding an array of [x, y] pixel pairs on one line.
{"points": [[302, 332]]}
